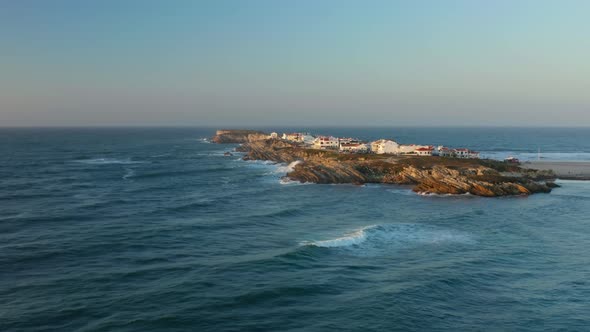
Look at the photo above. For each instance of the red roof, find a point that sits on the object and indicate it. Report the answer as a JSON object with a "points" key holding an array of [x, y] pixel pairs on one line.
{"points": [[424, 149]]}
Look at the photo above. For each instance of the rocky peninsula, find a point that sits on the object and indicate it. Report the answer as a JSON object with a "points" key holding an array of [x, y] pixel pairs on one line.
{"points": [[427, 174], [226, 136]]}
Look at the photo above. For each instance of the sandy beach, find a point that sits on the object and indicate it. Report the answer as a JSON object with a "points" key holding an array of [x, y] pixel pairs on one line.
{"points": [[575, 170]]}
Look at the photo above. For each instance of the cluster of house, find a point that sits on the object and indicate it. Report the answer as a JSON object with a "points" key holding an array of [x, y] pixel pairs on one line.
{"points": [[382, 146]]}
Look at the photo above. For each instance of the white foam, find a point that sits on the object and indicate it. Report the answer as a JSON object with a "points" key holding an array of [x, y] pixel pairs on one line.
{"points": [[391, 236], [128, 174], [286, 181], [288, 168], [355, 237], [259, 162], [443, 195], [276, 171]]}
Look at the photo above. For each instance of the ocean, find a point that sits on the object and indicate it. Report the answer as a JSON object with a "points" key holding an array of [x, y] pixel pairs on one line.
{"points": [[154, 229]]}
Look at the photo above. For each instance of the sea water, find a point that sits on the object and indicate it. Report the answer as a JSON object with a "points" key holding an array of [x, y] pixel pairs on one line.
{"points": [[156, 230]]}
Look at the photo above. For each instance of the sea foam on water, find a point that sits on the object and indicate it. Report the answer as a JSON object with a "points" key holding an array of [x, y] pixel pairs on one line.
{"points": [[391, 236]]}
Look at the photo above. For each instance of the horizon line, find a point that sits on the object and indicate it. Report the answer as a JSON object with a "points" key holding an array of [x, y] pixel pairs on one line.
{"points": [[283, 126]]}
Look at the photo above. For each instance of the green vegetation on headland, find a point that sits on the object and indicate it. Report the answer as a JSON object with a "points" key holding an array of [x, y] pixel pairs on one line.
{"points": [[429, 175]]}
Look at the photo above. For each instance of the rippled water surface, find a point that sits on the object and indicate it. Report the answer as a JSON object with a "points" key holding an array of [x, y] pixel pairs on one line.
{"points": [[157, 230]]}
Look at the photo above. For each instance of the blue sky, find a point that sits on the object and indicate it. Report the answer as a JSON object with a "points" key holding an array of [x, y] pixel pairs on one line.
{"points": [[246, 63]]}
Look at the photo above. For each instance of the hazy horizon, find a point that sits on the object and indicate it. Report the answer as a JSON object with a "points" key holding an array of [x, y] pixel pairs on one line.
{"points": [[280, 127], [305, 64]]}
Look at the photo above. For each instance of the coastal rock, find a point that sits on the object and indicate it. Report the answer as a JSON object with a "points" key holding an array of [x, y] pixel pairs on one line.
{"points": [[237, 136], [430, 175]]}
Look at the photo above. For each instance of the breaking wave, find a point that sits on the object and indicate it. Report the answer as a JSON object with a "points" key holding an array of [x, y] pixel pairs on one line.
{"points": [[391, 236], [354, 238], [286, 181], [275, 171], [274, 167], [288, 168]]}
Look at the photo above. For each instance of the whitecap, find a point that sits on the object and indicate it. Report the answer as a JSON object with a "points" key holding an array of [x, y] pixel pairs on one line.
{"points": [[379, 238], [128, 174], [353, 238]]}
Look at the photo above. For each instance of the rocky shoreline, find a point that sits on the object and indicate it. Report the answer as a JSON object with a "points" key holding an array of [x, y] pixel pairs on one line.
{"points": [[428, 175]]}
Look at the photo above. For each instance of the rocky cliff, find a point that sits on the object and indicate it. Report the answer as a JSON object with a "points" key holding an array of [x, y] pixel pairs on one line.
{"points": [[430, 175], [237, 136]]}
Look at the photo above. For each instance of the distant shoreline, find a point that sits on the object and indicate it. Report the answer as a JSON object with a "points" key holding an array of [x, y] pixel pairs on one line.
{"points": [[566, 170]]}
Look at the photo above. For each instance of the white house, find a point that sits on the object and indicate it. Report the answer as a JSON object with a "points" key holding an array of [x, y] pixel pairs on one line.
{"points": [[445, 152], [356, 147], [473, 154], [293, 137], [342, 141], [465, 153], [424, 151], [410, 149], [461, 153], [273, 135], [384, 146], [326, 142], [307, 139]]}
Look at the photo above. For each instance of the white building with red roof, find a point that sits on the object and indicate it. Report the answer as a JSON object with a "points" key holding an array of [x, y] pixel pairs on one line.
{"points": [[354, 147], [326, 142], [424, 151], [443, 151], [411, 148], [465, 153]]}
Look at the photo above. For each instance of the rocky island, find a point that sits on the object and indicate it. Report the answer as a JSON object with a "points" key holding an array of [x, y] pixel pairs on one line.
{"points": [[237, 136], [427, 174]]}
